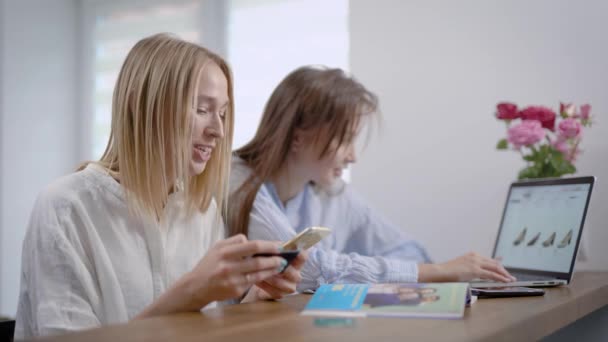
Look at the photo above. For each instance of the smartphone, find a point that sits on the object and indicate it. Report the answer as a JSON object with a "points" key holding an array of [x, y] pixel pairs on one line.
{"points": [[510, 291], [289, 256], [306, 239]]}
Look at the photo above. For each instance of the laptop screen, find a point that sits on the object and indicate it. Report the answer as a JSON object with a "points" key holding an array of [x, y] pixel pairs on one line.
{"points": [[541, 226]]}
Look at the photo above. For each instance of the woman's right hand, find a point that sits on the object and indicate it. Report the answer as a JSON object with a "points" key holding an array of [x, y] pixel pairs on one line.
{"points": [[465, 268], [227, 271]]}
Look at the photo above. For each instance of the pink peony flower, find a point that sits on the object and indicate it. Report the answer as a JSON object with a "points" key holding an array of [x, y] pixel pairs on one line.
{"points": [[527, 133], [566, 109], [561, 145], [543, 114], [570, 153], [506, 111], [573, 155], [585, 111], [569, 128]]}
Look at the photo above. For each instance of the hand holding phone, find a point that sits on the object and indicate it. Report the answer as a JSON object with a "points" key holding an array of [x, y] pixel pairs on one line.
{"points": [[289, 256], [306, 239]]}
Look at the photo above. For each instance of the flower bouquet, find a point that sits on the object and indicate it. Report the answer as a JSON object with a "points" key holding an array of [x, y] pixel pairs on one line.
{"points": [[549, 148]]}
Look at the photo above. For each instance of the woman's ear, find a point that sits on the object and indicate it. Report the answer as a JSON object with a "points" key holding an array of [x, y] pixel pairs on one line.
{"points": [[298, 141]]}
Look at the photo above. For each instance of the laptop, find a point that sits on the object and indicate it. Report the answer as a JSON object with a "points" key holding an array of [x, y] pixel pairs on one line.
{"points": [[540, 231]]}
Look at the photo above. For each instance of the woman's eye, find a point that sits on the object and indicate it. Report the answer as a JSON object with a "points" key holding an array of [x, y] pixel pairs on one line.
{"points": [[202, 111]]}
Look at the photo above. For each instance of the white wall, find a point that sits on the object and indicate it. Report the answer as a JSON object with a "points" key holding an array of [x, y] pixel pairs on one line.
{"points": [[439, 68], [38, 128]]}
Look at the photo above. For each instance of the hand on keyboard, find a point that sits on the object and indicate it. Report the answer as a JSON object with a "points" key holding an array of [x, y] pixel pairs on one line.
{"points": [[465, 268]]}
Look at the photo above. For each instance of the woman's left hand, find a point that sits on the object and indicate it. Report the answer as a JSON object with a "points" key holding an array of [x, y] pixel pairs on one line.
{"points": [[278, 285]]}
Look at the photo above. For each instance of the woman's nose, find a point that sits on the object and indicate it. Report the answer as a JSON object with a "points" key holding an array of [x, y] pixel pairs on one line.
{"points": [[216, 127], [351, 157]]}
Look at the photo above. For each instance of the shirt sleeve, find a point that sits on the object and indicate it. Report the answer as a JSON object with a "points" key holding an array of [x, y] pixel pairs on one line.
{"points": [[375, 235], [58, 290], [268, 222]]}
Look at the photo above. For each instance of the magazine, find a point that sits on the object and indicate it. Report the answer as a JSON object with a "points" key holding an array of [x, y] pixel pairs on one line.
{"points": [[422, 300]]}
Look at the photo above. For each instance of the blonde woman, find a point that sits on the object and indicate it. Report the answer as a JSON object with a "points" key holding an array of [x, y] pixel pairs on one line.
{"points": [[139, 233], [288, 178]]}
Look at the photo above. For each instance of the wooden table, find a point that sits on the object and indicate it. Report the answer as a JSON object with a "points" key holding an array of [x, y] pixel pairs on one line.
{"points": [[504, 319]]}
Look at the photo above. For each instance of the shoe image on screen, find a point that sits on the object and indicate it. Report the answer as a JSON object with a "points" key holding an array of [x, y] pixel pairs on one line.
{"points": [[550, 240], [520, 237], [566, 241], [534, 239]]}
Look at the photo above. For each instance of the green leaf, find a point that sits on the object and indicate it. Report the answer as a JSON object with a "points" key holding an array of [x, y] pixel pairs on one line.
{"points": [[568, 168], [502, 144], [528, 172], [544, 152], [530, 158], [560, 165]]}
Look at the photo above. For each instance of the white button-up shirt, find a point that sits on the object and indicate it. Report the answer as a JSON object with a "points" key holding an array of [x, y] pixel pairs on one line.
{"points": [[363, 247], [87, 261]]}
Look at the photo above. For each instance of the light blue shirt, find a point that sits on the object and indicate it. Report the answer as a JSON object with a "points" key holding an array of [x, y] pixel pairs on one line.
{"points": [[364, 247]]}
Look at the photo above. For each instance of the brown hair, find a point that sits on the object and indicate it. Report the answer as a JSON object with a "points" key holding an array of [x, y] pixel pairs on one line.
{"points": [[151, 107], [326, 101]]}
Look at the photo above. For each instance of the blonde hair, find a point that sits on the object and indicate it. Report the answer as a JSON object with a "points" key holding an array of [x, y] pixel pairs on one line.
{"points": [[322, 100], [149, 149]]}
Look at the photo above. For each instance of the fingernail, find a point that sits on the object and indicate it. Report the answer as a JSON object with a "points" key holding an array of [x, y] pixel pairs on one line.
{"points": [[280, 249], [283, 266]]}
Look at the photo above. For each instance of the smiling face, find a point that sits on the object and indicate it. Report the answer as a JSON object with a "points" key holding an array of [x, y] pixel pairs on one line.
{"points": [[211, 105]]}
